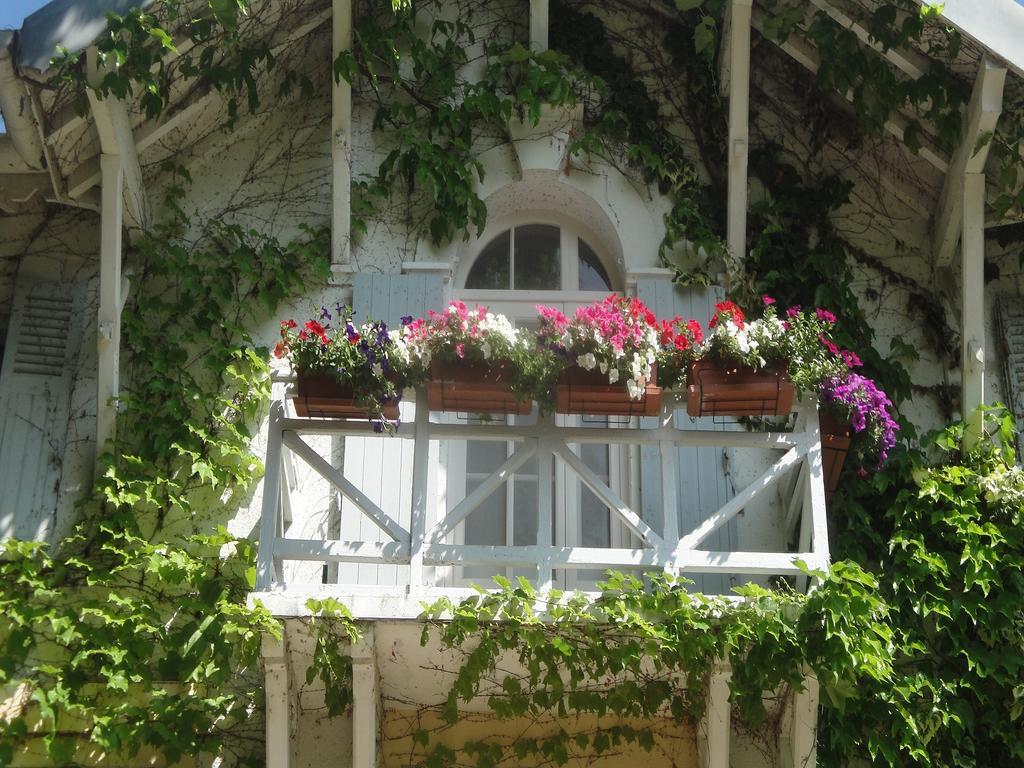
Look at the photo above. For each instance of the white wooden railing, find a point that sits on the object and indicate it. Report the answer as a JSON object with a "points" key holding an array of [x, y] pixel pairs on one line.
{"points": [[426, 542]]}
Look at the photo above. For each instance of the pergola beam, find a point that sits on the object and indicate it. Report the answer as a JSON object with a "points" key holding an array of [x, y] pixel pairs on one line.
{"points": [[807, 55], [907, 61], [980, 119]]}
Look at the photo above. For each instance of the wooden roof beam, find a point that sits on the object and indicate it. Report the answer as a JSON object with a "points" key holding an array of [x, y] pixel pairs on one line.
{"points": [[979, 122], [807, 55], [907, 61]]}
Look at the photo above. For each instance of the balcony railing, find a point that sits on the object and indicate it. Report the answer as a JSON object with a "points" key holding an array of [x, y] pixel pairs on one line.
{"points": [[424, 543]]}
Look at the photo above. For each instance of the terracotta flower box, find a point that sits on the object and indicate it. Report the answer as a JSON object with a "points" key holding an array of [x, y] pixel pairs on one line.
{"points": [[472, 387], [719, 389], [835, 444], [320, 396], [588, 392]]}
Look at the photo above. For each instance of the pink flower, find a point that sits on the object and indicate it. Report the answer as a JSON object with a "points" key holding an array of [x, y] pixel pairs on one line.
{"points": [[768, 300], [828, 317], [829, 345], [793, 311], [460, 349], [851, 359]]}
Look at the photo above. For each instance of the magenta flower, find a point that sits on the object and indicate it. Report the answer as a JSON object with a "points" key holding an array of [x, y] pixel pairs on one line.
{"points": [[768, 300], [828, 317]]}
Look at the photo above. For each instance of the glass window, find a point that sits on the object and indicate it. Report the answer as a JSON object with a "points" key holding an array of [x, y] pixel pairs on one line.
{"points": [[491, 269], [593, 276], [538, 261]]}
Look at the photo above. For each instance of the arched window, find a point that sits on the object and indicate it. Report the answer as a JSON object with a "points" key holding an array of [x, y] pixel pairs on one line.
{"points": [[538, 257]]}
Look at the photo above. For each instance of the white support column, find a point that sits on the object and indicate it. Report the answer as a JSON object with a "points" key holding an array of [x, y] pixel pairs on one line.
{"points": [[739, 115], [972, 359], [108, 318], [365, 702], [265, 564], [538, 25], [715, 726], [669, 502], [545, 460], [420, 475], [980, 119], [341, 141], [803, 723], [816, 482], [278, 700]]}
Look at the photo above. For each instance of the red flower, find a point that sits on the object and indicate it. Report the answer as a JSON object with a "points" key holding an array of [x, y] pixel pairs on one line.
{"points": [[828, 317], [289, 324], [280, 350], [314, 327], [828, 344], [696, 331]]}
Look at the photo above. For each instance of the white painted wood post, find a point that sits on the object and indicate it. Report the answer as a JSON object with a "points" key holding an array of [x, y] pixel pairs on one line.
{"points": [[265, 574], [669, 504], [715, 726], [538, 25], [365, 695], [341, 139], [803, 736], [108, 318], [816, 484], [545, 459], [420, 475], [739, 115], [972, 355], [277, 692]]}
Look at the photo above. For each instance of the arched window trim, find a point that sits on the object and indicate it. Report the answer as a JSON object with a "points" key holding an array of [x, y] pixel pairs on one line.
{"points": [[570, 229]]}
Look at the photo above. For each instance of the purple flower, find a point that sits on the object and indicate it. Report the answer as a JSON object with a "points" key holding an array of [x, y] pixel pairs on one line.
{"points": [[324, 314], [869, 411], [406, 319]]}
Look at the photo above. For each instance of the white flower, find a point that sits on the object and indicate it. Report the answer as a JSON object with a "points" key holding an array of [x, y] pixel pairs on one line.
{"points": [[634, 389], [485, 348], [587, 361], [378, 370], [603, 366], [613, 375]]}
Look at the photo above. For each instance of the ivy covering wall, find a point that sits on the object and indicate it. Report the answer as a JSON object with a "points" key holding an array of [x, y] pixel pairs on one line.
{"points": [[916, 634]]}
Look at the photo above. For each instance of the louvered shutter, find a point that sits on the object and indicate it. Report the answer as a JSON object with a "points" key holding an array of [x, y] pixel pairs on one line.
{"points": [[1010, 321], [703, 484], [380, 467], [43, 341]]}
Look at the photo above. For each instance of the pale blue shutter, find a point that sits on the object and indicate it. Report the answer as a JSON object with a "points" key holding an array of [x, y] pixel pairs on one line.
{"points": [[703, 483], [380, 467], [42, 346]]}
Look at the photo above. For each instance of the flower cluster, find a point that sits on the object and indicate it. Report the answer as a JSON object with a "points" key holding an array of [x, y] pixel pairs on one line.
{"points": [[755, 344], [679, 341], [618, 337], [858, 400], [459, 333], [367, 357]]}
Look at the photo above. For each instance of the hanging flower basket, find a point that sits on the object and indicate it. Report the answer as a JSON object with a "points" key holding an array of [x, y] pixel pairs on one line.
{"points": [[472, 387], [321, 396], [835, 444], [719, 388], [588, 392]]}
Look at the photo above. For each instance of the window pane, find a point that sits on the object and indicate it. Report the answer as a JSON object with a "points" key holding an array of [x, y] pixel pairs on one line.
{"points": [[538, 258], [486, 524], [490, 270], [594, 515], [593, 276]]}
